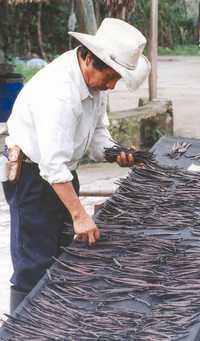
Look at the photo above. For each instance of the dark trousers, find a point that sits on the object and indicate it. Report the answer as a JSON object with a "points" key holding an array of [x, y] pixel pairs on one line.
{"points": [[38, 220]]}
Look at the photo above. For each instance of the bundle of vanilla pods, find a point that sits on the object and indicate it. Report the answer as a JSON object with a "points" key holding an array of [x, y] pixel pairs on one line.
{"points": [[139, 156]]}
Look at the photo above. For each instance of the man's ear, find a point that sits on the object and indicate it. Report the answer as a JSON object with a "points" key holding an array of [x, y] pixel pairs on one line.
{"points": [[88, 59]]}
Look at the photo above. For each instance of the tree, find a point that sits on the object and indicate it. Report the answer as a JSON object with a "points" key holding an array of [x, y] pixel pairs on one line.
{"points": [[86, 15], [121, 9], [39, 27], [3, 28]]}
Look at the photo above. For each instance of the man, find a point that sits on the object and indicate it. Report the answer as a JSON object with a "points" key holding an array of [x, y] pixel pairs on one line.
{"points": [[58, 116]]}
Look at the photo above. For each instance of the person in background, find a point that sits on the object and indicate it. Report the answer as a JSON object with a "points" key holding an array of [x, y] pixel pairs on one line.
{"points": [[58, 116]]}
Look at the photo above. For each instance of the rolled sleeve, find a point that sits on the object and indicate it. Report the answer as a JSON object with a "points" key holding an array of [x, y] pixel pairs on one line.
{"points": [[55, 123]]}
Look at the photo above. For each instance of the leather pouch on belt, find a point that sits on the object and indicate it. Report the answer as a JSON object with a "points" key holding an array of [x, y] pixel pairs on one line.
{"points": [[15, 156]]}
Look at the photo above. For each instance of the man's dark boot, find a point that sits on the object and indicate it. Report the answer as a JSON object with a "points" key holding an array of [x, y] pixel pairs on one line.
{"points": [[16, 297]]}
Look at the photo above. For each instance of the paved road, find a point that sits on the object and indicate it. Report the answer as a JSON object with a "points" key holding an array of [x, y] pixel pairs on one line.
{"points": [[178, 80]]}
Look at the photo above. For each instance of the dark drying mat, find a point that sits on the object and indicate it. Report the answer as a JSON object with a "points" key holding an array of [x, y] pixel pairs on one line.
{"points": [[164, 145], [141, 282]]}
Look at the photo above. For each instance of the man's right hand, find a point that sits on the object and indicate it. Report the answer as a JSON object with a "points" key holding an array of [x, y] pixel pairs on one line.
{"points": [[84, 227], [86, 230]]}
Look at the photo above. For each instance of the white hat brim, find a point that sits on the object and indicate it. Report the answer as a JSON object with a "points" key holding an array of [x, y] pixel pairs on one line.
{"points": [[133, 78]]}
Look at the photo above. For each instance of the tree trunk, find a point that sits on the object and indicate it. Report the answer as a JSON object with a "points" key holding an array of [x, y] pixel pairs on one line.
{"points": [[87, 16], [80, 15], [121, 9], [28, 43], [26, 20], [97, 12], [39, 32], [3, 28]]}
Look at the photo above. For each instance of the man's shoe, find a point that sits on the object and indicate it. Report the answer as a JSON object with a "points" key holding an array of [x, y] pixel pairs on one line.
{"points": [[16, 297]]}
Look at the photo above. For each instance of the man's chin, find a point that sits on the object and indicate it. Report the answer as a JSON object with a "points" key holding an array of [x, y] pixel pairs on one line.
{"points": [[96, 89]]}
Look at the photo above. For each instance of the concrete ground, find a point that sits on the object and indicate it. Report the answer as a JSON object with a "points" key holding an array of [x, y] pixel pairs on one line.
{"points": [[178, 80]]}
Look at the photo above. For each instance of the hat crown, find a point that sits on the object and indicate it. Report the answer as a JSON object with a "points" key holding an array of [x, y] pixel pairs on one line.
{"points": [[123, 42]]}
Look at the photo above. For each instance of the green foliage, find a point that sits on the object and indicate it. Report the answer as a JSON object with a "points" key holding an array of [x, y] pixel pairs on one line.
{"points": [[140, 18], [55, 20], [179, 50], [19, 25], [26, 72], [173, 25]]}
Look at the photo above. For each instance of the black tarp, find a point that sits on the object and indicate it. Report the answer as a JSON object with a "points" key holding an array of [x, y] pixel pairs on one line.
{"points": [[145, 300]]}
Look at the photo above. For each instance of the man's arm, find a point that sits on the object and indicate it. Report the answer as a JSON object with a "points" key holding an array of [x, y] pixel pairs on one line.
{"points": [[84, 226]]}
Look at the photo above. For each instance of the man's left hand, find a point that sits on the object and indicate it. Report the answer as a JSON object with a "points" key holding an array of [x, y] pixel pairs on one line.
{"points": [[126, 159]]}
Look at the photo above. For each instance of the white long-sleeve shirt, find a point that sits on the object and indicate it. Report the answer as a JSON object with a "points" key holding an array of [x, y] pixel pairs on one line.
{"points": [[56, 119]]}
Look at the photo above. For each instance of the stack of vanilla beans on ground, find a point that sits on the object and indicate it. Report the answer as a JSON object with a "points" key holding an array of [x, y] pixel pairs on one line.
{"points": [[140, 282]]}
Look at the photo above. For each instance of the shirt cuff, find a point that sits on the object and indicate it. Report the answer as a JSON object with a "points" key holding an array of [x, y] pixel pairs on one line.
{"points": [[55, 176], [97, 151]]}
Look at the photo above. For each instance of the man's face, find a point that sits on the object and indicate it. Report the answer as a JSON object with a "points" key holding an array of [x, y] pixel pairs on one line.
{"points": [[95, 79]]}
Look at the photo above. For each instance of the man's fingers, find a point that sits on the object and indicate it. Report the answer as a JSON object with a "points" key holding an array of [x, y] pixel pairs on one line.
{"points": [[97, 234], [121, 159], [125, 160], [91, 238], [82, 237], [130, 159], [78, 237]]}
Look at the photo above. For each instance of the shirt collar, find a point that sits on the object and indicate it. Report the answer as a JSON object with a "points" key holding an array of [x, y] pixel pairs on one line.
{"points": [[83, 88]]}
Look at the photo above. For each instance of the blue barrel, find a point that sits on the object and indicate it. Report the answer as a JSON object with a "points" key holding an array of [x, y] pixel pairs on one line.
{"points": [[10, 86]]}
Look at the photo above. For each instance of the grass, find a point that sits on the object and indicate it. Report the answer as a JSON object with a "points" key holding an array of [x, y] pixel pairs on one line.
{"points": [[179, 50]]}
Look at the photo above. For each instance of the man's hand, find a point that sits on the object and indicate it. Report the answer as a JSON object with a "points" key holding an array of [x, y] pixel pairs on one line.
{"points": [[86, 230], [84, 227], [126, 159]]}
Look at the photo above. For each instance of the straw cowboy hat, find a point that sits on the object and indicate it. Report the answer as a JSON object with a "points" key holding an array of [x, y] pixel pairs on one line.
{"points": [[120, 46]]}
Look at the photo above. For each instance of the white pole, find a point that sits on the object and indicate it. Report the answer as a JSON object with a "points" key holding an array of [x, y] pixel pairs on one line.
{"points": [[153, 49]]}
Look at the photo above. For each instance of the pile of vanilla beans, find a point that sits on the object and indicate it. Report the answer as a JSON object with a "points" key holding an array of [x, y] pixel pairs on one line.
{"points": [[141, 281]]}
